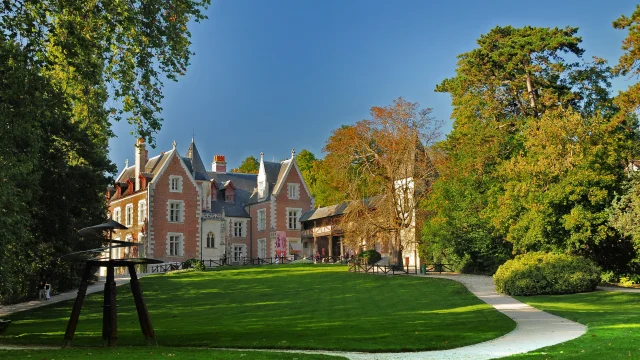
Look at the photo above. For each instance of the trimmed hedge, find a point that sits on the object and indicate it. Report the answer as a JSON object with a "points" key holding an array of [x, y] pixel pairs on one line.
{"points": [[546, 273], [371, 256]]}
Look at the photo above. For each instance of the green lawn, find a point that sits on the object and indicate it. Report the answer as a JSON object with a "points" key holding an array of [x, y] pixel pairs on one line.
{"points": [[613, 319], [282, 307], [143, 353]]}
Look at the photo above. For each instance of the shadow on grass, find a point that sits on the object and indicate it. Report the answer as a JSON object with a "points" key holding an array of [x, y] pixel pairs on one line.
{"points": [[282, 307]]}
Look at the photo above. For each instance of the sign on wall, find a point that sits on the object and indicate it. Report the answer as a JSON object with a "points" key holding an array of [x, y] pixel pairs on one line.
{"points": [[281, 243]]}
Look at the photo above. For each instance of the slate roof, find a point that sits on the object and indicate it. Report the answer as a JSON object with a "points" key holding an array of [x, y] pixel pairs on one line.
{"points": [[151, 169], [244, 185], [194, 163]]}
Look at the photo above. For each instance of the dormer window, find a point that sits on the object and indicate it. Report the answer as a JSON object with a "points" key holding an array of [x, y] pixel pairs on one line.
{"points": [[229, 198]]}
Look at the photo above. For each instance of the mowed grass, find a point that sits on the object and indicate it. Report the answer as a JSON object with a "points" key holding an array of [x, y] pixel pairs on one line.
{"points": [[282, 307], [166, 353], [612, 318]]}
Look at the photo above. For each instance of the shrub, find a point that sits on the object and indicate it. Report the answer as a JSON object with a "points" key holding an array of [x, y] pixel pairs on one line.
{"points": [[370, 256], [194, 263], [541, 273]]}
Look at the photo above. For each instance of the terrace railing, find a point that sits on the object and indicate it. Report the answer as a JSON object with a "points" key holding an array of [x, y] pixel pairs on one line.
{"points": [[363, 267]]}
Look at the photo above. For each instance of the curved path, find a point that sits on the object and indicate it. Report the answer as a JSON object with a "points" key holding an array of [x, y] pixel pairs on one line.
{"points": [[535, 329]]}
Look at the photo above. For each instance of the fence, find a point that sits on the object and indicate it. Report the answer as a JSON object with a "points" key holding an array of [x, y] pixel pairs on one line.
{"points": [[359, 266], [163, 268]]}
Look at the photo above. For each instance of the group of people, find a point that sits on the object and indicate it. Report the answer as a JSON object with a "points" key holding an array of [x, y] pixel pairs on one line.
{"points": [[44, 290]]}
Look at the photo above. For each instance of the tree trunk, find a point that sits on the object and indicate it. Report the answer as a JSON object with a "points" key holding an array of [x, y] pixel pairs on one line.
{"points": [[398, 248], [532, 99]]}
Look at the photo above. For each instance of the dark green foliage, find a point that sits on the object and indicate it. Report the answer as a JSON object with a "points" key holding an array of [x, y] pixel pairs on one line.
{"points": [[52, 180], [546, 273], [370, 256], [195, 264]]}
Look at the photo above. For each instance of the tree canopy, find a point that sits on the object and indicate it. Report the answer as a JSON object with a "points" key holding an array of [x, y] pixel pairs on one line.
{"points": [[250, 165]]}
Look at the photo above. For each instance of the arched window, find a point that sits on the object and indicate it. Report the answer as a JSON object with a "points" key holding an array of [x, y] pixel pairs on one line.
{"points": [[211, 240]]}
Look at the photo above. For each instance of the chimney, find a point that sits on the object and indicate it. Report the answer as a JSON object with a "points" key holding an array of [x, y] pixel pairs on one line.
{"points": [[219, 165], [141, 161]]}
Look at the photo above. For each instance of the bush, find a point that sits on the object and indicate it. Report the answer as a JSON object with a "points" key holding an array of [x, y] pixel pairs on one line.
{"points": [[370, 256], [194, 263], [541, 273]]}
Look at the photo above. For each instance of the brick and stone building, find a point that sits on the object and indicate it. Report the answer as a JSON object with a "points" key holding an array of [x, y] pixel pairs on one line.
{"points": [[177, 210]]}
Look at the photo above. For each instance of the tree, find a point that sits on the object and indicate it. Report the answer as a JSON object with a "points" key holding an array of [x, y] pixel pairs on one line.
{"points": [[97, 46], [501, 90], [51, 185], [250, 165], [384, 169], [558, 191]]}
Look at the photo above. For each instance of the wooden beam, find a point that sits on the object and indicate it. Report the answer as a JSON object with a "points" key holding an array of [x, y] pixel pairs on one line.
{"points": [[141, 307], [77, 306]]}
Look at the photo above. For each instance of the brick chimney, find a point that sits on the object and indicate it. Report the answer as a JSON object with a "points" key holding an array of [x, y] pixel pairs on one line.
{"points": [[219, 165], [140, 161]]}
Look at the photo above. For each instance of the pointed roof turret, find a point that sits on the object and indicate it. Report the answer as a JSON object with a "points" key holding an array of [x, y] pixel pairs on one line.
{"points": [[197, 166]]}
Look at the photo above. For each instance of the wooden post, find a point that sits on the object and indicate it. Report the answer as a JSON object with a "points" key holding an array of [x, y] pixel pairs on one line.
{"points": [[110, 311], [77, 306], [331, 242], [141, 307], [315, 248], [342, 247]]}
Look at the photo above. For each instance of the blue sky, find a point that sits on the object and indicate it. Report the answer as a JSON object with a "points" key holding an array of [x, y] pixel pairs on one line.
{"points": [[280, 74]]}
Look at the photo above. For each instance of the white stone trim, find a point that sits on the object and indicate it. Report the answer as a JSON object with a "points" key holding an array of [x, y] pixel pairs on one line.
{"points": [[169, 234], [295, 195], [145, 215], [119, 217], [273, 214], [126, 215], [179, 187], [299, 211], [182, 208], [264, 212]]}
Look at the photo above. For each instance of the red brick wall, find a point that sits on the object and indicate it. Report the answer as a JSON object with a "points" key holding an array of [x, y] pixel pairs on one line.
{"points": [[160, 226], [136, 228], [283, 202]]}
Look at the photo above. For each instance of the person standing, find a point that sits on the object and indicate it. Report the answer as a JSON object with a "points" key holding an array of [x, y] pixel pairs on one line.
{"points": [[41, 293], [47, 291]]}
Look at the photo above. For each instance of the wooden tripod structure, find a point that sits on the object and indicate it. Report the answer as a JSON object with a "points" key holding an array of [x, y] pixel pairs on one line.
{"points": [[110, 310]]}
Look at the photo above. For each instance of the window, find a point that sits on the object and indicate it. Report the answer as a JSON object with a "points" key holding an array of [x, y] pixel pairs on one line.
{"points": [[293, 191], [142, 211], [117, 215], [238, 228], [175, 183], [262, 219], [262, 248], [211, 240], [176, 211], [293, 218], [129, 214], [174, 244], [238, 252]]}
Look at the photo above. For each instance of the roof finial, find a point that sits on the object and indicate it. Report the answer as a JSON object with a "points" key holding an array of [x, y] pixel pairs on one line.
{"points": [[126, 163], [293, 153], [261, 155], [174, 144]]}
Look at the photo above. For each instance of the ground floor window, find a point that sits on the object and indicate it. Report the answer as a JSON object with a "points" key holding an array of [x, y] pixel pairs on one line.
{"points": [[262, 248], [238, 252], [174, 246], [211, 240]]}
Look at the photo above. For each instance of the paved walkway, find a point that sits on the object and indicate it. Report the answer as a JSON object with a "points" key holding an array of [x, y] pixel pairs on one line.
{"points": [[6, 310], [618, 288]]}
